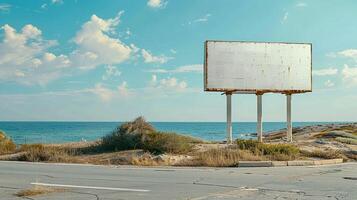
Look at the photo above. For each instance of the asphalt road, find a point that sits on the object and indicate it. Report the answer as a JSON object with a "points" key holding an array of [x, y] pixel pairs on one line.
{"points": [[125, 182]]}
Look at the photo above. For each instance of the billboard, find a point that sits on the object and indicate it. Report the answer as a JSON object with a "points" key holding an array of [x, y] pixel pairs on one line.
{"points": [[257, 67]]}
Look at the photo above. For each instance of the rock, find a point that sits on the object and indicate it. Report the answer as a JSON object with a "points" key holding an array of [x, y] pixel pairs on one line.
{"points": [[321, 141], [171, 159]]}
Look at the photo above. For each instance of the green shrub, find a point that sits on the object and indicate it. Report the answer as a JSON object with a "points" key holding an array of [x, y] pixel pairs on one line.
{"points": [[160, 142], [118, 141], [139, 134], [274, 151], [251, 145], [129, 135], [286, 149], [6, 144]]}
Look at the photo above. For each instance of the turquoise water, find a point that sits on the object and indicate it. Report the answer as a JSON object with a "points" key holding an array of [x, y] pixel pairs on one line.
{"points": [[60, 132]]}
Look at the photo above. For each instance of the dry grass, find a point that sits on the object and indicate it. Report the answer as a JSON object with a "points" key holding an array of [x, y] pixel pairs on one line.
{"points": [[137, 126], [6, 144], [38, 190], [324, 154], [351, 155], [138, 143], [145, 160], [347, 140], [335, 134], [224, 157], [43, 153], [245, 150]]}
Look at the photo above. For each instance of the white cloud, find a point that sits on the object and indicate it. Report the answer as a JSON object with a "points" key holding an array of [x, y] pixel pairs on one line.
{"points": [[285, 18], [57, 1], [153, 80], [4, 7], [349, 53], [134, 48], [105, 94], [44, 6], [331, 55], [349, 75], [111, 71], [198, 68], [123, 89], [301, 4], [24, 56], [157, 3], [173, 51], [200, 19], [149, 58], [169, 83], [96, 47], [325, 72], [128, 33], [329, 83], [172, 83]]}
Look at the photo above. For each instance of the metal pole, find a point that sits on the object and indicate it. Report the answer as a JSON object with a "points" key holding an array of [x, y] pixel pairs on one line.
{"points": [[229, 118], [259, 118], [289, 135]]}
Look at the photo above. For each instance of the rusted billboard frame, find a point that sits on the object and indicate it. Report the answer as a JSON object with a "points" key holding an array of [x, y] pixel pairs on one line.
{"points": [[259, 93]]}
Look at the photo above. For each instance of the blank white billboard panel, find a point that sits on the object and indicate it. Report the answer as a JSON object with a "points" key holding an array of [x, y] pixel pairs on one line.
{"points": [[257, 67]]}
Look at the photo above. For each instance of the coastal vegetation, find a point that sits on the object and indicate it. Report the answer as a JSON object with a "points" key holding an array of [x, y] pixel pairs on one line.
{"points": [[330, 154], [139, 134], [6, 144], [243, 150], [47, 153], [139, 143]]}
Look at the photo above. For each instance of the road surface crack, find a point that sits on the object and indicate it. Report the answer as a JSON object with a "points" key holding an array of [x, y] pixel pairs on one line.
{"points": [[87, 193], [11, 188], [215, 185]]}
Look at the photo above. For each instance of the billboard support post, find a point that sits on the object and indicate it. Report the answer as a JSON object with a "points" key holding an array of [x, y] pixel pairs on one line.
{"points": [[259, 118], [229, 118], [289, 135]]}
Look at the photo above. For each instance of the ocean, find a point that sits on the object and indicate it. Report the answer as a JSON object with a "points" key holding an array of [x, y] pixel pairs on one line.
{"points": [[61, 132]]}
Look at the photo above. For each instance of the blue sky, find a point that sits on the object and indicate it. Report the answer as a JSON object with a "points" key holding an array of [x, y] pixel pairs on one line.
{"points": [[115, 60]]}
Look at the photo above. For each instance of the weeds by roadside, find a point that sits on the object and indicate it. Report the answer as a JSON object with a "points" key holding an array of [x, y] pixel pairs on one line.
{"points": [[272, 151], [38, 190], [42, 153], [6, 144], [225, 157], [326, 154]]}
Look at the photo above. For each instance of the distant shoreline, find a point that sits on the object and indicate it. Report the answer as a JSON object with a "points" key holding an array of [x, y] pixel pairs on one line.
{"points": [[63, 132], [139, 143]]}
